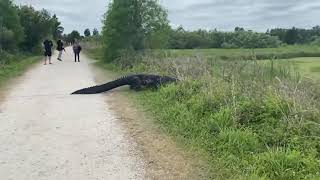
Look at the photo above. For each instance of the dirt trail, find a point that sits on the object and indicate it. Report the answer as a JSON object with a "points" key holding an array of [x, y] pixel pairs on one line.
{"points": [[47, 134]]}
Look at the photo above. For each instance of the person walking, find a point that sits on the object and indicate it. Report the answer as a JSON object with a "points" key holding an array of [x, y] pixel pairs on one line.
{"points": [[60, 48], [77, 49], [47, 51]]}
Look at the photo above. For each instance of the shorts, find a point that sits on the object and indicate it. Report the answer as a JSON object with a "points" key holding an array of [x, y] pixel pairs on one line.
{"points": [[48, 53]]}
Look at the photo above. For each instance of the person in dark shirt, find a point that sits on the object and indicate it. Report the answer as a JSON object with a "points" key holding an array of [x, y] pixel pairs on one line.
{"points": [[47, 50], [76, 49], [60, 48]]}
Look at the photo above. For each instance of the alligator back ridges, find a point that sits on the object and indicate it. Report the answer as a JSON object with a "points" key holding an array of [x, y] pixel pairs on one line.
{"points": [[103, 88], [136, 82]]}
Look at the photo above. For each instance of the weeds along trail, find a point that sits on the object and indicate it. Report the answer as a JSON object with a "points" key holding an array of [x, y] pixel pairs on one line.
{"points": [[253, 118]]}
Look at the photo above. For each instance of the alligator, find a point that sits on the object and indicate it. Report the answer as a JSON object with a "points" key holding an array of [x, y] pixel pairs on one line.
{"points": [[136, 82]]}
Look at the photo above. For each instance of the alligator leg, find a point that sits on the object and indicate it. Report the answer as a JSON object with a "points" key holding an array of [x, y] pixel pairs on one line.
{"points": [[136, 85]]}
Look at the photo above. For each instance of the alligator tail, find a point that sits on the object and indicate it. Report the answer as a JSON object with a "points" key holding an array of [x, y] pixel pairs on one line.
{"points": [[104, 87]]}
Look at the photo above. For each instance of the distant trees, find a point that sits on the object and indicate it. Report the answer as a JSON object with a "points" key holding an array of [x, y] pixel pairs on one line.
{"points": [[87, 32], [296, 35], [143, 24], [72, 37], [240, 38], [95, 32], [75, 35]]}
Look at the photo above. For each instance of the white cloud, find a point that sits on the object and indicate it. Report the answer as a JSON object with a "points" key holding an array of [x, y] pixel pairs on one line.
{"points": [[74, 14], [193, 14], [253, 14]]}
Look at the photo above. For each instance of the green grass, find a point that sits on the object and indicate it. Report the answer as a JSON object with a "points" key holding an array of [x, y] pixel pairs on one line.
{"points": [[309, 67], [94, 53], [253, 120], [16, 67], [285, 52], [247, 133]]}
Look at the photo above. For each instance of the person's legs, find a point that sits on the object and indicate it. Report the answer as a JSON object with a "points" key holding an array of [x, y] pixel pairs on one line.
{"points": [[60, 55], [75, 57], [78, 54], [45, 57], [49, 55]]}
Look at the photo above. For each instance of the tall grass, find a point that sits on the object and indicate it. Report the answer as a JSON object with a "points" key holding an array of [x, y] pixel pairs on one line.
{"points": [[256, 120]]}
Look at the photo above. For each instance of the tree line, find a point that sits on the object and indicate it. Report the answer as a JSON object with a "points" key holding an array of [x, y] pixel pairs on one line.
{"points": [[22, 28], [296, 35], [241, 38], [143, 24], [75, 35]]}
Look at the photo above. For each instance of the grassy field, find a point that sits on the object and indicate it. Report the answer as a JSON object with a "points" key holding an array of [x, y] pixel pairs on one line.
{"points": [[309, 67], [253, 120], [285, 52], [16, 68]]}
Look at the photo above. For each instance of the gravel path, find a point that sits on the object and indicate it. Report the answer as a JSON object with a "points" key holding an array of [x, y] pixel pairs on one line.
{"points": [[45, 133]]}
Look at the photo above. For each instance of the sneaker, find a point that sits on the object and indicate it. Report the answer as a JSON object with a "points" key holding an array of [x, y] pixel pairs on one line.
{"points": [[59, 59]]}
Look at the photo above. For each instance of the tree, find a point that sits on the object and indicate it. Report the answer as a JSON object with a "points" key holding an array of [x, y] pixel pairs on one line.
{"points": [[121, 28], [280, 33], [155, 25], [95, 32], [87, 33], [11, 31], [128, 24], [291, 36], [239, 29], [74, 35], [37, 25], [57, 29], [71, 37]]}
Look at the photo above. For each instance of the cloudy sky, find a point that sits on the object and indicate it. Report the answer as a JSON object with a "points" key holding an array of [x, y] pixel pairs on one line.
{"points": [[193, 14]]}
